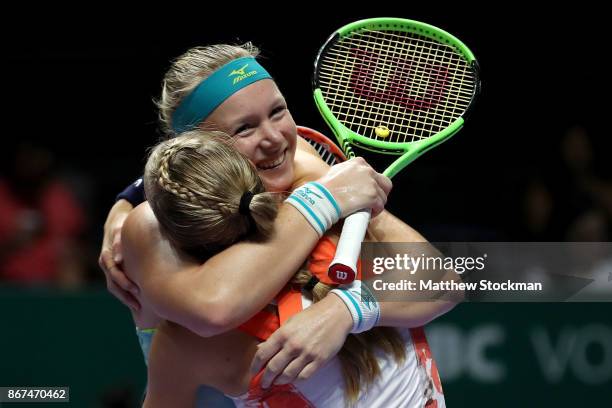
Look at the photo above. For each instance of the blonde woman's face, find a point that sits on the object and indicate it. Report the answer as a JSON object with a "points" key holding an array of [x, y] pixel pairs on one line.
{"points": [[258, 119]]}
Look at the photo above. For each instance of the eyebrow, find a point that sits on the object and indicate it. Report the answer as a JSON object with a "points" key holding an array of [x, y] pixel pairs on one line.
{"points": [[245, 117]]}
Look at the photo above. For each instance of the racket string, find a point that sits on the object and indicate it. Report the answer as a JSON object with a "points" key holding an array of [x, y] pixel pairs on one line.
{"points": [[367, 81]]}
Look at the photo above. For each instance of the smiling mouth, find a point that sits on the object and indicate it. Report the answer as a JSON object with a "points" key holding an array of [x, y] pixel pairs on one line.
{"points": [[270, 165]]}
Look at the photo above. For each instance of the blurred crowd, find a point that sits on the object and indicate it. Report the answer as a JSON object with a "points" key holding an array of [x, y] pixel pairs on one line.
{"points": [[45, 220], [571, 198]]}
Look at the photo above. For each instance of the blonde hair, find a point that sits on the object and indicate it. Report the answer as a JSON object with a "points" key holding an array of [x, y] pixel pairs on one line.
{"points": [[191, 68], [194, 184]]}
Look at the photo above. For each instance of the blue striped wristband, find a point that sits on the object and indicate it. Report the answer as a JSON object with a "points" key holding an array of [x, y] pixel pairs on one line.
{"points": [[361, 303], [317, 205]]}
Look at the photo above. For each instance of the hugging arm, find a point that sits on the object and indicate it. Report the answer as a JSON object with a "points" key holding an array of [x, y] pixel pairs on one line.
{"points": [[233, 285]]}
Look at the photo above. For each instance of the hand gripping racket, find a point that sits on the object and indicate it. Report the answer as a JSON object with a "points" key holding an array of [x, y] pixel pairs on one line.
{"points": [[390, 86]]}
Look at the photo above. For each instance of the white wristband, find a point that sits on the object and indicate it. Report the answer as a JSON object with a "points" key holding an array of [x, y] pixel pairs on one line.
{"points": [[317, 205], [362, 305]]}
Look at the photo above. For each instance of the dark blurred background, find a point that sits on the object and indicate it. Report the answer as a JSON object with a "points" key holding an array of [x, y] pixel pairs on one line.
{"points": [[531, 164]]}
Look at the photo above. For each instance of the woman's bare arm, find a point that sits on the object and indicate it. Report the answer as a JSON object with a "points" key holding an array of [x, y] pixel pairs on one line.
{"points": [[228, 288], [110, 259], [409, 313]]}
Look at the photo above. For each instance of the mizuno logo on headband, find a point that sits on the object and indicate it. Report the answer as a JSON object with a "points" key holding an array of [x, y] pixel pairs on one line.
{"points": [[241, 74], [239, 71]]}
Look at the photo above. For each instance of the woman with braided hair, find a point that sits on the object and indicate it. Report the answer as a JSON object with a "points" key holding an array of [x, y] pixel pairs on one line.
{"points": [[201, 212], [224, 88]]}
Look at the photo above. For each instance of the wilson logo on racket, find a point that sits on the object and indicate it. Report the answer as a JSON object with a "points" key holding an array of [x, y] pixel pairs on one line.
{"points": [[366, 77], [241, 74], [341, 276]]}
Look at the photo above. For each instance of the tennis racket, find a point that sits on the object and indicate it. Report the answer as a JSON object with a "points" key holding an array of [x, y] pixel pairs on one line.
{"points": [[390, 86]]}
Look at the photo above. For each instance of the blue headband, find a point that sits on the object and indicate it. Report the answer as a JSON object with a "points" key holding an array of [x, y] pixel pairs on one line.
{"points": [[215, 89]]}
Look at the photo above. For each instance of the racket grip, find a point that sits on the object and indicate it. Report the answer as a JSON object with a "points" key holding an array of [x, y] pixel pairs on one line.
{"points": [[343, 269]]}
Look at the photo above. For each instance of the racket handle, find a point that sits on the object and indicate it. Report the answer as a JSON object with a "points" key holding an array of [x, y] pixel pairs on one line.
{"points": [[343, 269]]}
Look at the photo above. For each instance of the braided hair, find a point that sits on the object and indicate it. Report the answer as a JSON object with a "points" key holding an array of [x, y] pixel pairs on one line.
{"points": [[194, 184]]}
